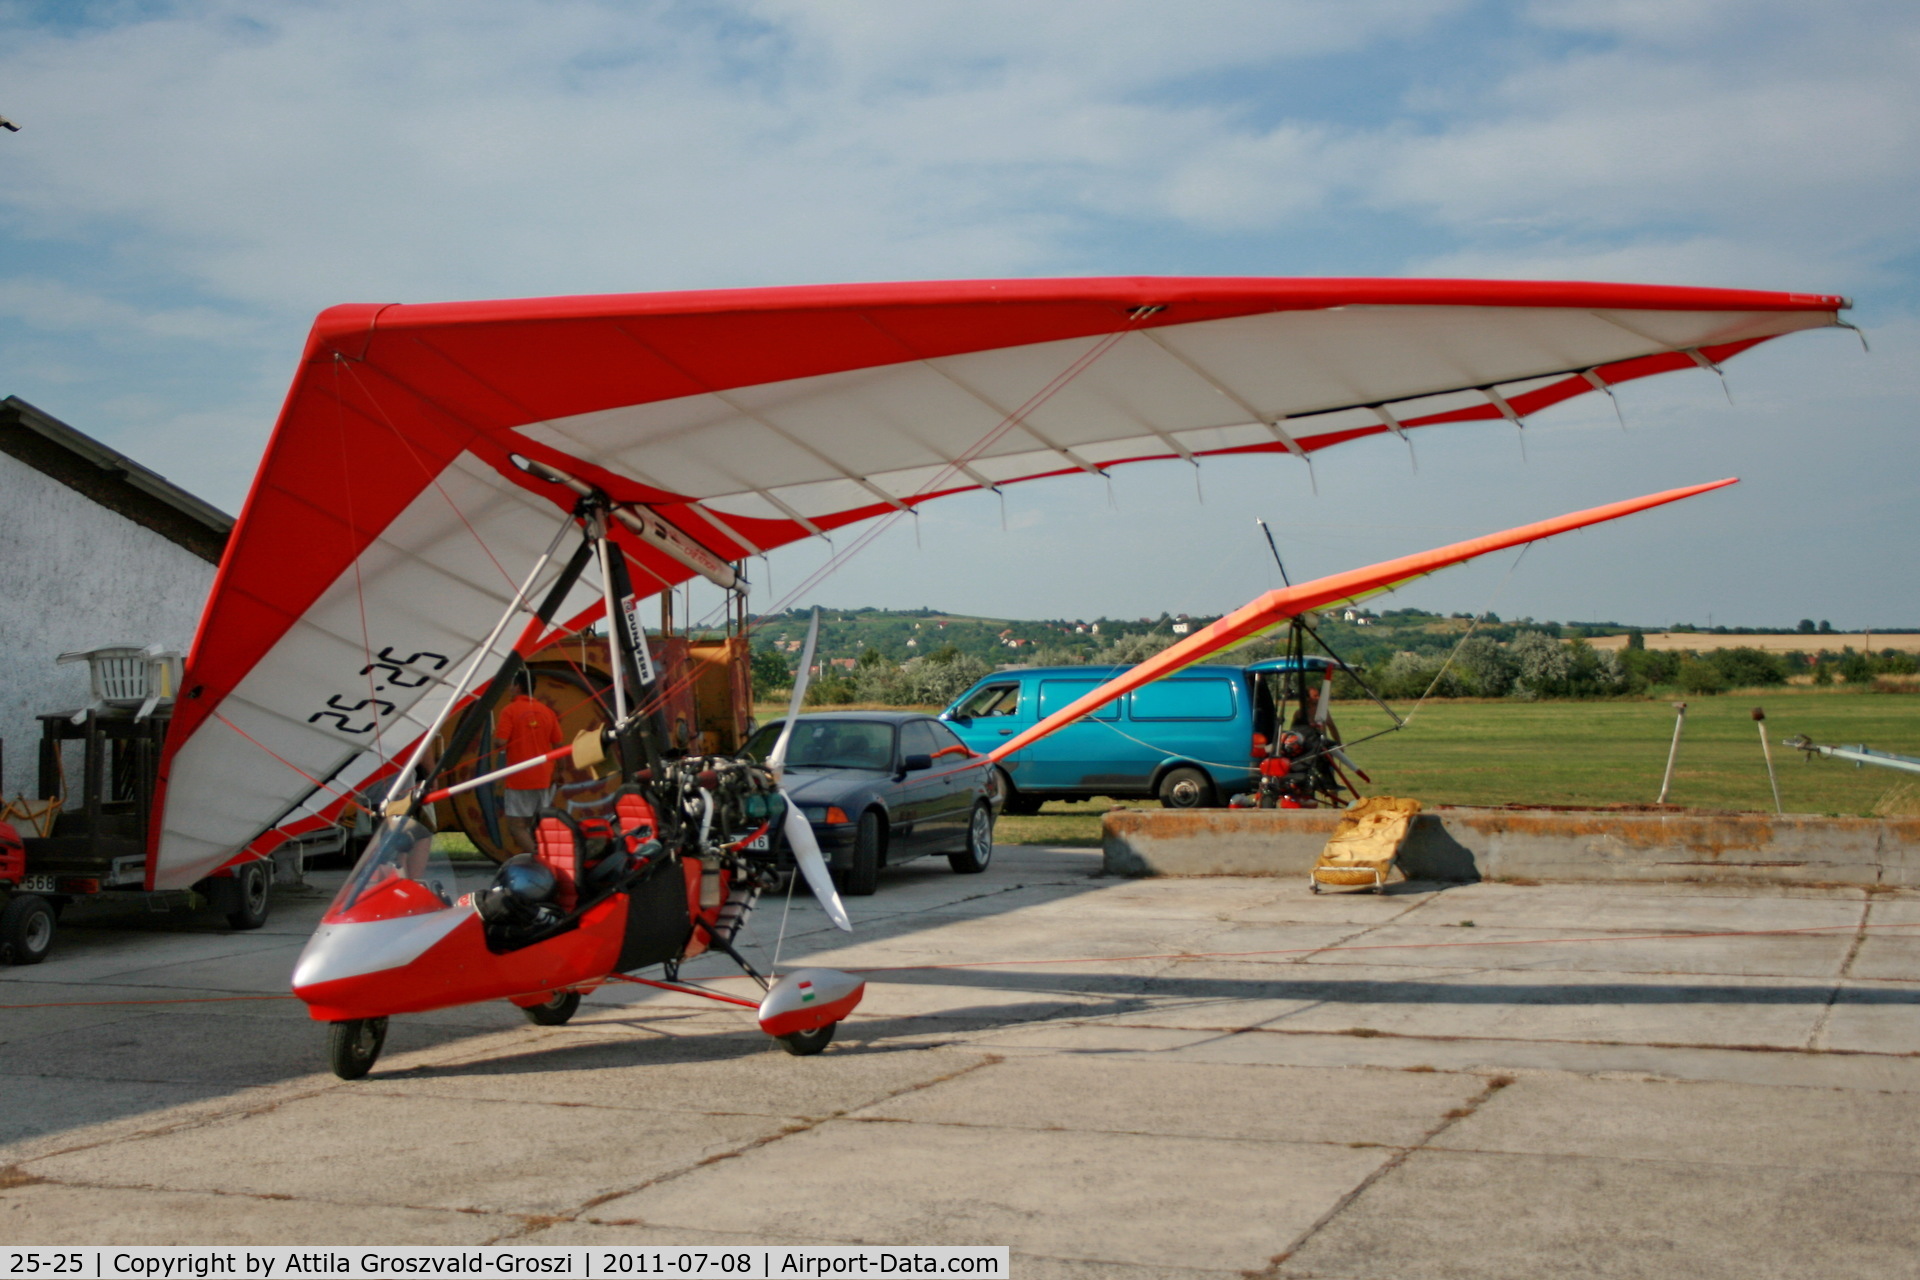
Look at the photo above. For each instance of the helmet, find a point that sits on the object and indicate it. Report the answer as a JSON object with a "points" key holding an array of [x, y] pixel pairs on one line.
{"points": [[518, 889], [1291, 743]]}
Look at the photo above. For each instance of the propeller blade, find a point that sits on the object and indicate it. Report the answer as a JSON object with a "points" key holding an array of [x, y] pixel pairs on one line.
{"points": [[806, 856], [777, 758]]}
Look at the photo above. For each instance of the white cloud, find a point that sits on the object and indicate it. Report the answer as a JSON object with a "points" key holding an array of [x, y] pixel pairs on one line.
{"points": [[226, 168], [1790, 146], [301, 154]]}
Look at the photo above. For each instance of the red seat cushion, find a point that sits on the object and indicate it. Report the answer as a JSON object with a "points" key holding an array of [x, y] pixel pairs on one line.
{"points": [[557, 851]]}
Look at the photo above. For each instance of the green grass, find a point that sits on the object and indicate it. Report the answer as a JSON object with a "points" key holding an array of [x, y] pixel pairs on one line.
{"points": [[1469, 752], [1580, 753]]}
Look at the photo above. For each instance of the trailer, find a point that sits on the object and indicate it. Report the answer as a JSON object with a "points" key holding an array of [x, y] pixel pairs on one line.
{"points": [[88, 838]]}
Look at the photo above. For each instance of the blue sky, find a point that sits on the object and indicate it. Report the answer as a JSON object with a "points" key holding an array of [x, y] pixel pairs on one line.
{"points": [[193, 181]]}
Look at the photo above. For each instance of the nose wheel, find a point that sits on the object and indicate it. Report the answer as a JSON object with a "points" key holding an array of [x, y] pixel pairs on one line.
{"points": [[354, 1046]]}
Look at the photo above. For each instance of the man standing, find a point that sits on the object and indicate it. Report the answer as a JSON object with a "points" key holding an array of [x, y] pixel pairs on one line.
{"points": [[529, 728]]}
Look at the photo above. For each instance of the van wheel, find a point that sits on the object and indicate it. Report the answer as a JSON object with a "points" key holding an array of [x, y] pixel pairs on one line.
{"points": [[1186, 788], [1011, 801]]}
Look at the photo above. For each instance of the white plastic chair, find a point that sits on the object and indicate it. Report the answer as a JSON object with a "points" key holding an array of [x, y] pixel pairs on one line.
{"points": [[124, 676]]}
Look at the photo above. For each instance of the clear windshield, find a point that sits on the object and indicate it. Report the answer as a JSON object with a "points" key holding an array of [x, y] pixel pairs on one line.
{"points": [[829, 744], [400, 874]]}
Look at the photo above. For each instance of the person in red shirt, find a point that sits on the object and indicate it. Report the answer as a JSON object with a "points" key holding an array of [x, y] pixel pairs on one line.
{"points": [[529, 728]]}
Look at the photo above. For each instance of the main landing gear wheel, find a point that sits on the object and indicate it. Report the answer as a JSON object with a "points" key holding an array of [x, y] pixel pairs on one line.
{"points": [[354, 1046], [1186, 788], [979, 851], [26, 929], [804, 1044], [555, 1012]]}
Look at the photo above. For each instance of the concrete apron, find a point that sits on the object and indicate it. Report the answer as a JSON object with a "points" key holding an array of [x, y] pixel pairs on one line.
{"points": [[1465, 844]]}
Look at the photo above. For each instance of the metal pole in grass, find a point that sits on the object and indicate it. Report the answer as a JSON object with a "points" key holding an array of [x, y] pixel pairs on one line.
{"points": [[1760, 723], [1673, 752]]}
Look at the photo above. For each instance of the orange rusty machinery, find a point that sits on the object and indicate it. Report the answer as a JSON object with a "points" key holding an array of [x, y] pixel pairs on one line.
{"points": [[705, 692]]}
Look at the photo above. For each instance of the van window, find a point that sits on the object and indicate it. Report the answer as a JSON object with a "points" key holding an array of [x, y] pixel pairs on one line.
{"points": [[993, 700], [1058, 694], [1184, 700]]}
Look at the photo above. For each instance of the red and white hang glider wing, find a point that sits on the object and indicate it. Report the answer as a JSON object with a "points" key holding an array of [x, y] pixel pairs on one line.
{"points": [[1274, 609], [388, 527]]}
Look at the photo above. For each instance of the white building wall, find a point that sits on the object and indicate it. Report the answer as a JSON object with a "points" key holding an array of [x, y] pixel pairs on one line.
{"points": [[74, 575]]}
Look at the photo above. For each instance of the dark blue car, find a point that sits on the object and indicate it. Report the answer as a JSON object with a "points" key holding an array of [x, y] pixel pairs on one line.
{"points": [[882, 787]]}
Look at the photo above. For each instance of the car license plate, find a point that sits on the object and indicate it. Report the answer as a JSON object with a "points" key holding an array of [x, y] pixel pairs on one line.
{"points": [[36, 884], [760, 843]]}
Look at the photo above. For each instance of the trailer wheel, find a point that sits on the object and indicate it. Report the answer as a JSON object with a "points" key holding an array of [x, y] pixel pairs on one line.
{"points": [[248, 903], [26, 929], [804, 1044], [354, 1046]]}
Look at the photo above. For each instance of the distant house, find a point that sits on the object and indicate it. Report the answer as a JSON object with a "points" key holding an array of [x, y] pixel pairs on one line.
{"points": [[99, 551]]}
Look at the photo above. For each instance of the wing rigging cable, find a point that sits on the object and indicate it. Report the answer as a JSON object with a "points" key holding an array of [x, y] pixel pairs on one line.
{"points": [[389, 507]]}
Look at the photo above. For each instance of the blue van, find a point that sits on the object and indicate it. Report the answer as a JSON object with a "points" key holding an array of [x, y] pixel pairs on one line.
{"points": [[1187, 738]]}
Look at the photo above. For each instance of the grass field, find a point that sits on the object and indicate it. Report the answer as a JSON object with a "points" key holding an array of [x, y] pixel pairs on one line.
{"points": [[1502, 752], [1468, 751]]}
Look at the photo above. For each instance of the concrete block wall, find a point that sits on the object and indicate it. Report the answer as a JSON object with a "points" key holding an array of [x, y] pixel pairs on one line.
{"points": [[74, 575], [1532, 844]]}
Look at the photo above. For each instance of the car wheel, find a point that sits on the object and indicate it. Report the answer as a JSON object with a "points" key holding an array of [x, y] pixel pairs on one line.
{"points": [[354, 1046], [979, 851], [862, 877], [250, 903], [555, 1012], [1186, 788], [26, 929], [804, 1044]]}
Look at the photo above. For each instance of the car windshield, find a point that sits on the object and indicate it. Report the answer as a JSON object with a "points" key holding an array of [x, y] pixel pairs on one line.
{"points": [[829, 744]]}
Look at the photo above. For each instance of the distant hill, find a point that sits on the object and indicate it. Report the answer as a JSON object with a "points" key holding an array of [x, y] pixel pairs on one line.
{"points": [[1369, 638]]}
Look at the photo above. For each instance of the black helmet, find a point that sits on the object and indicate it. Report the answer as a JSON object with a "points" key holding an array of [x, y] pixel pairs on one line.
{"points": [[518, 889]]}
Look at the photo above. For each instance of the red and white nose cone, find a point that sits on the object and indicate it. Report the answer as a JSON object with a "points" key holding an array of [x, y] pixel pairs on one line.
{"points": [[352, 949]]}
